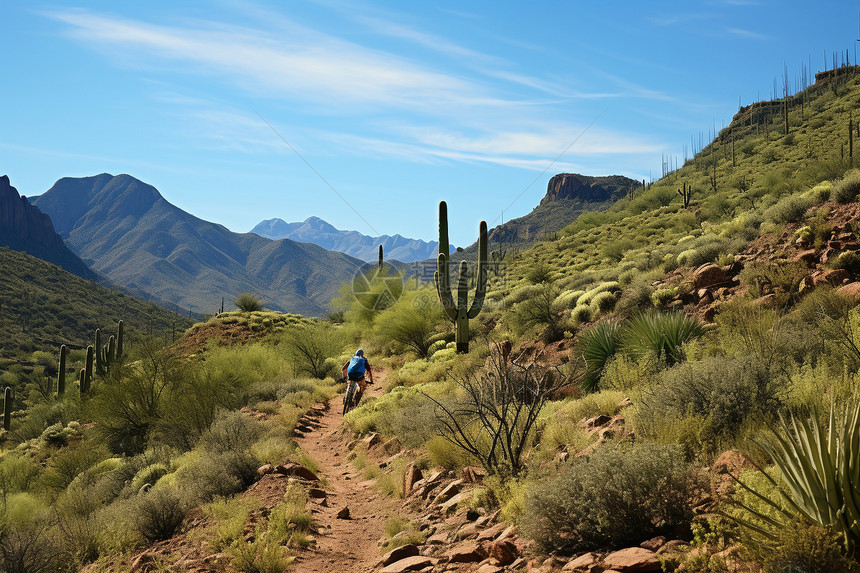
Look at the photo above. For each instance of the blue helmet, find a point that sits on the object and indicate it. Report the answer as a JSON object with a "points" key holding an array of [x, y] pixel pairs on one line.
{"points": [[359, 352]]}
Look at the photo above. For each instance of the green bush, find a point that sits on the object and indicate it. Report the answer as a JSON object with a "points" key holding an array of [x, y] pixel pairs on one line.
{"points": [[789, 209], [411, 322], [603, 302], [661, 335], [247, 302], [849, 260], [722, 393], [160, 513], [846, 189], [617, 497], [312, 349], [581, 313]]}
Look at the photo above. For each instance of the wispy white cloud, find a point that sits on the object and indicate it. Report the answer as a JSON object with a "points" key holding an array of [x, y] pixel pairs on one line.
{"points": [[675, 19], [748, 34]]}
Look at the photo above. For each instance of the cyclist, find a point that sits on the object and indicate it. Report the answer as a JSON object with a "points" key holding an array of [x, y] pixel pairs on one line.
{"points": [[354, 369]]}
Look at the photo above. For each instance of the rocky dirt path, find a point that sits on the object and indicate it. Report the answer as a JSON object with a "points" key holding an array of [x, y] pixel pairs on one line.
{"points": [[343, 544]]}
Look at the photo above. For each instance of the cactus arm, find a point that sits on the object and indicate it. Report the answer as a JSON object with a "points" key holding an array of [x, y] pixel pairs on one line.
{"points": [[481, 288], [380, 257], [442, 278], [444, 246], [100, 367]]}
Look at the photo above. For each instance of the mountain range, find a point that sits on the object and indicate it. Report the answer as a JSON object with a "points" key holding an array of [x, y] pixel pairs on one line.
{"points": [[364, 247], [23, 227], [124, 229]]}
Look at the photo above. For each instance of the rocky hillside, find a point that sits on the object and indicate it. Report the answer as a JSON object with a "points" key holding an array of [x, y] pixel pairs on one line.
{"points": [[315, 230], [23, 227], [126, 230]]}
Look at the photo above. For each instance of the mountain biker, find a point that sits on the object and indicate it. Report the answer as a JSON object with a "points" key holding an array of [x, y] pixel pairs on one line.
{"points": [[354, 369]]}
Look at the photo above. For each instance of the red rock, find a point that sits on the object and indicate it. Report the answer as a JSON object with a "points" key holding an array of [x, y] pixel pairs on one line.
{"points": [[317, 493], [473, 474], [808, 256], [833, 277], [401, 552], [492, 533], [371, 440], [448, 491], [415, 563], [410, 477], [343, 513], [582, 563], [633, 560], [709, 275], [504, 552], [851, 290], [466, 553], [265, 469], [731, 461], [293, 469], [489, 568], [654, 543]]}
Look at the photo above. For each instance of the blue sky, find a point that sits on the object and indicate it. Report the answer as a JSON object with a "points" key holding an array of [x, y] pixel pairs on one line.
{"points": [[367, 113]]}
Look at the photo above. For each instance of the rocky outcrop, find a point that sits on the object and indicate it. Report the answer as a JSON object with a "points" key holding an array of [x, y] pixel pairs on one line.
{"points": [[23, 227], [569, 186]]}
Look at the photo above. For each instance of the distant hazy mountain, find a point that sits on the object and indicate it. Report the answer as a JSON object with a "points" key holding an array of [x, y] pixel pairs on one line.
{"points": [[315, 230], [126, 230], [24, 227]]}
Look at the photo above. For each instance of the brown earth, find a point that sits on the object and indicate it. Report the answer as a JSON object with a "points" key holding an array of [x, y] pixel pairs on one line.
{"points": [[343, 544]]}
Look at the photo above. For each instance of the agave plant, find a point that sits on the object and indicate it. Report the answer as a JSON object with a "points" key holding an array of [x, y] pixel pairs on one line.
{"points": [[601, 343], [820, 477], [661, 334]]}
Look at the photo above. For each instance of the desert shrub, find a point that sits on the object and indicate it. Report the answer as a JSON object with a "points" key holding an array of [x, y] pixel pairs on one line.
{"points": [[539, 273], [582, 313], [495, 417], [539, 311], [247, 302], [779, 277], [588, 296], [613, 498], [603, 302], [202, 478], [804, 547], [846, 189], [231, 438], [849, 260], [789, 209], [568, 298], [160, 513], [615, 250], [313, 349], [411, 321], [30, 548], [663, 296], [66, 464], [403, 412], [41, 416], [636, 297], [722, 393], [17, 473]]}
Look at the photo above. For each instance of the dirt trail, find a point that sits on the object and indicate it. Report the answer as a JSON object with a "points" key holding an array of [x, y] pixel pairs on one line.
{"points": [[343, 544]]}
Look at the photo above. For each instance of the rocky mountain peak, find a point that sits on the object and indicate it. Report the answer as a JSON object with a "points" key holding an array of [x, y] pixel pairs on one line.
{"points": [[587, 189]]}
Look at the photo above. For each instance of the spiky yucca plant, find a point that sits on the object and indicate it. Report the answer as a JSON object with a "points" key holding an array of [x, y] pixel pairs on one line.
{"points": [[820, 477], [601, 342], [661, 334]]}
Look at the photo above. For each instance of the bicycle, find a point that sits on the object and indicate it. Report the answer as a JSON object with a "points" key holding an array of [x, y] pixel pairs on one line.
{"points": [[349, 397]]}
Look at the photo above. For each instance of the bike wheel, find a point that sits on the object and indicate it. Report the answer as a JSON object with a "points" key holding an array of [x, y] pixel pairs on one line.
{"points": [[347, 399]]}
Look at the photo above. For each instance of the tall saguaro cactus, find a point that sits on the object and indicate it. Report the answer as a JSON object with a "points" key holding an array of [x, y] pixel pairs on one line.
{"points": [[7, 408], [460, 312], [61, 372], [88, 370], [380, 257], [119, 331], [100, 365]]}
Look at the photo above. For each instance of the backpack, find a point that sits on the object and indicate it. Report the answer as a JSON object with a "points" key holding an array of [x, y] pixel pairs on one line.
{"points": [[356, 365]]}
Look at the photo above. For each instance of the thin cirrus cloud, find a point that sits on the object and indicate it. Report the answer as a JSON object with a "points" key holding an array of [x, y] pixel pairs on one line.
{"points": [[331, 76]]}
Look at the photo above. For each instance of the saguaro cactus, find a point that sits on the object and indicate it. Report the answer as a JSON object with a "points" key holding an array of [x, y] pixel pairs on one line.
{"points": [[88, 370], [119, 329], [61, 372], [686, 194], [7, 408], [380, 257], [460, 313], [100, 365]]}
